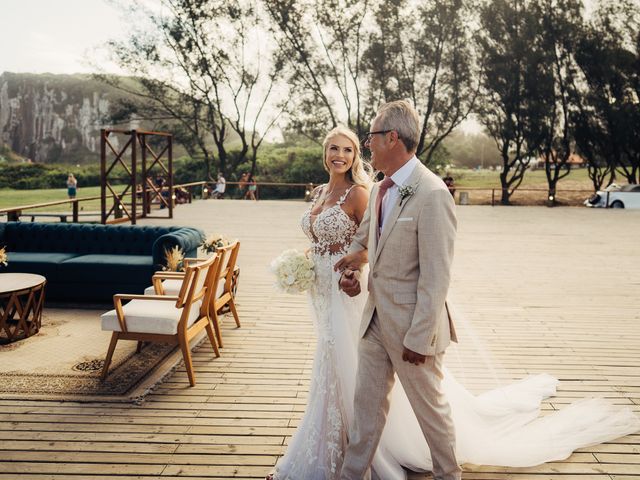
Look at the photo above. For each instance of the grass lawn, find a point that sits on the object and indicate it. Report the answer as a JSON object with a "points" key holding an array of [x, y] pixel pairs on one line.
{"points": [[15, 198], [576, 180], [571, 190]]}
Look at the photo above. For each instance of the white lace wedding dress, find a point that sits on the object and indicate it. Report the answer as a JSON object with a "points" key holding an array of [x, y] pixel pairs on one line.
{"points": [[499, 427]]}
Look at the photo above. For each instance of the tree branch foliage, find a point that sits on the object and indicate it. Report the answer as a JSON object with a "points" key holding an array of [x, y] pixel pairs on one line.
{"points": [[546, 80], [608, 108], [346, 57], [204, 65]]}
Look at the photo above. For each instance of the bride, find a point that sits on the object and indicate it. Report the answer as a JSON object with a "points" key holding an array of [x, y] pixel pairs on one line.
{"points": [[500, 427]]}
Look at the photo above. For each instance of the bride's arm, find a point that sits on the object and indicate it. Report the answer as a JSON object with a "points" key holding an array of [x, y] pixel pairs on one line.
{"points": [[356, 207]]}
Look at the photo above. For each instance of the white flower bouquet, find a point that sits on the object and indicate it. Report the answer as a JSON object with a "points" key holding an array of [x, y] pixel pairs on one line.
{"points": [[294, 271]]}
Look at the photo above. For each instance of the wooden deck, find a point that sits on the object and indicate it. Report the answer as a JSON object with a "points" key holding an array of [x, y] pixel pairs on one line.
{"points": [[546, 290]]}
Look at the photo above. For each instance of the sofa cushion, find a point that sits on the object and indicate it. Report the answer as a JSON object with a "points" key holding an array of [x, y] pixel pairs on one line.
{"points": [[42, 263], [149, 316], [172, 287], [111, 269]]}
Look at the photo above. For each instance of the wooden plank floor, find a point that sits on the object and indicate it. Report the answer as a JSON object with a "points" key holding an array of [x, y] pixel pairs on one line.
{"points": [[542, 290]]}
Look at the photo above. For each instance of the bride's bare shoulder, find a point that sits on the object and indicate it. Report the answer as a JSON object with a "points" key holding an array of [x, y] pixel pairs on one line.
{"points": [[356, 202], [358, 194]]}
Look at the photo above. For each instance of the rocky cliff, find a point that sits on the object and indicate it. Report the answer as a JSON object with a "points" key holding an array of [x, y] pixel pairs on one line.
{"points": [[54, 118]]}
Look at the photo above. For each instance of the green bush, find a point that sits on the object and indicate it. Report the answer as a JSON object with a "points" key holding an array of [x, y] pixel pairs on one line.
{"points": [[276, 163], [28, 176], [289, 165]]}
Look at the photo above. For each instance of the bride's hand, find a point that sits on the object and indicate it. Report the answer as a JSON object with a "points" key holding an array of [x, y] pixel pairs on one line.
{"points": [[353, 261], [349, 282]]}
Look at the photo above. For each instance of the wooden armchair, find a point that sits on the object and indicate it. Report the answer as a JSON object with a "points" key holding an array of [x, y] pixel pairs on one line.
{"points": [[168, 283], [225, 297], [173, 319]]}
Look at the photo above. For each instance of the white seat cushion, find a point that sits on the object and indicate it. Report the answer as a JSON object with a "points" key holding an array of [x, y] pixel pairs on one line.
{"points": [[172, 287], [149, 316]]}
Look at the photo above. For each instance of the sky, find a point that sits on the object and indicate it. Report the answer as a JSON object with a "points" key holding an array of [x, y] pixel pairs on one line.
{"points": [[60, 36], [55, 36]]}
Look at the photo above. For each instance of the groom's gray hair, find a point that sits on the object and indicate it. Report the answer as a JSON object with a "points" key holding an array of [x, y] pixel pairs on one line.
{"points": [[403, 118]]}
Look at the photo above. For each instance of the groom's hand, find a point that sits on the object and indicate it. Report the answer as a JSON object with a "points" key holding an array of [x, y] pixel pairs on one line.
{"points": [[349, 283], [413, 357]]}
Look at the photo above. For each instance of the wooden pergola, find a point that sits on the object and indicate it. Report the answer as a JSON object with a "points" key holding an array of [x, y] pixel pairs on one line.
{"points": [[140, 188]]}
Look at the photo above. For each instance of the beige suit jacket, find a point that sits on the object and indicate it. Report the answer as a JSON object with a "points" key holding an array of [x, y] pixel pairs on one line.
{"points": [[409, 266]]}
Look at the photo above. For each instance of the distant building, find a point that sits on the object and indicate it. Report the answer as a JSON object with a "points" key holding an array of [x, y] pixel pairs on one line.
{"points": [[575, 161]]}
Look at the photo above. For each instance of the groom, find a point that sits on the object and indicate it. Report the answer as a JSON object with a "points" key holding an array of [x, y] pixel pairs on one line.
{"points": [[408, 233]]}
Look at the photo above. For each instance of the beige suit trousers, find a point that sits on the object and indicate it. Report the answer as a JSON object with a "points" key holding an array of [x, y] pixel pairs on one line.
{"points": [[379, 355]]}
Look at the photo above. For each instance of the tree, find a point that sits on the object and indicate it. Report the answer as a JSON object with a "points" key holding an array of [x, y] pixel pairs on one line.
{"points": [[346, 57], [511, 78], [421, 52], [608, 110], [323, 42], [204, 65], [560, 24]]}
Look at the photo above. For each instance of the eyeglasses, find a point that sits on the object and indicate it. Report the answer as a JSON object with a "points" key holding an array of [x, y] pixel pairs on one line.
{"points": [[367, 137]]}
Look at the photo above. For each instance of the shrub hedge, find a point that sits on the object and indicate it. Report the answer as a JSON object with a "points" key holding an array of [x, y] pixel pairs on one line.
{"points": [[275, 164]]}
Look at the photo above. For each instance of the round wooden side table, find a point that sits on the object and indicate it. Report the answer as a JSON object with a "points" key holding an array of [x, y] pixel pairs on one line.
{"points": [[21, 300]]}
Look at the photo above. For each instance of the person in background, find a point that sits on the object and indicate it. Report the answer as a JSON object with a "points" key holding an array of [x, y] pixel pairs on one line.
{"points": [[448, 181], [221, 186], [242, 185], [252, 188], [182, 195], [160, 181], [72, 186]]}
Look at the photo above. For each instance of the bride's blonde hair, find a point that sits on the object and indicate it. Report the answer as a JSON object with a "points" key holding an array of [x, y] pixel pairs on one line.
{"points": [[360, 172]]}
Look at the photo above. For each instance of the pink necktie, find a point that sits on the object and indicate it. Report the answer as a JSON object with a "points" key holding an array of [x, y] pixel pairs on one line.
{"points": [[385, 185]]}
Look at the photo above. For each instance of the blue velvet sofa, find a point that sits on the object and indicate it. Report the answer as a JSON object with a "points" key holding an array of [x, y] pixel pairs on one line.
{"points": [[88, 262]]}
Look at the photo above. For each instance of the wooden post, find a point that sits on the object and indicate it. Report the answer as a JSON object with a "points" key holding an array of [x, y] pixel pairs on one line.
{"points": [[134, 149], [146, 207], [171, 192], [74, 206], [13, 216], [103, 174]]}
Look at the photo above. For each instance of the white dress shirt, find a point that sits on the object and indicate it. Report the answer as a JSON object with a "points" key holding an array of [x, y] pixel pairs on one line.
{"points": [[399, 178]]}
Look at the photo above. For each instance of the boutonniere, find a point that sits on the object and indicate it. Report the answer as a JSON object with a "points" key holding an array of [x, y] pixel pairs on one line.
{"points": [[405, 192]]}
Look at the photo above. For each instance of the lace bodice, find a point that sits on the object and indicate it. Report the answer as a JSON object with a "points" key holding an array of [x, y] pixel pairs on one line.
{"points": [[331, 230]]}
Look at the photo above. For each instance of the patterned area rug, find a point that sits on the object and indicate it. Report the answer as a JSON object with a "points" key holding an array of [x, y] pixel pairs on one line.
{"points": [[64, 362]]}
